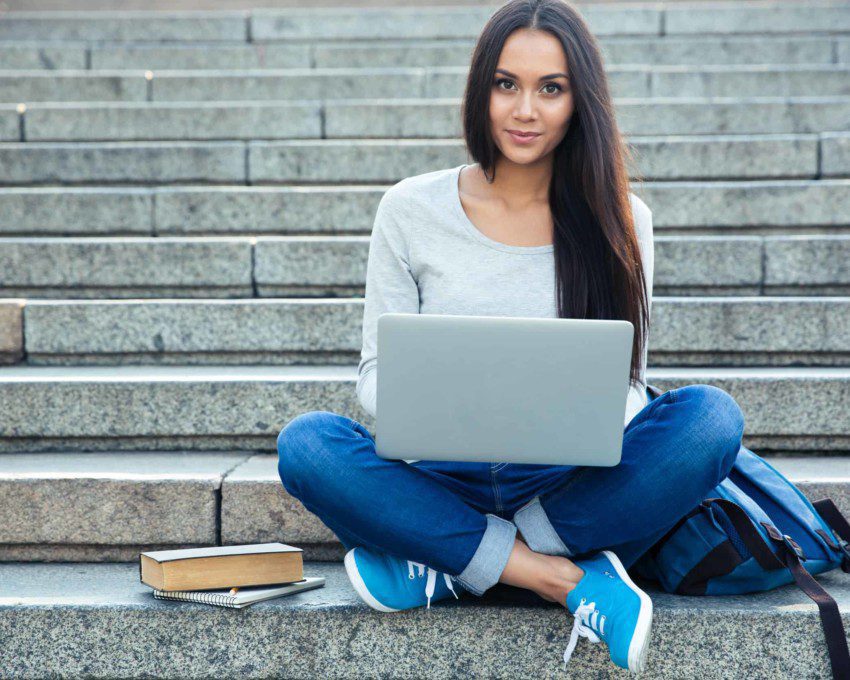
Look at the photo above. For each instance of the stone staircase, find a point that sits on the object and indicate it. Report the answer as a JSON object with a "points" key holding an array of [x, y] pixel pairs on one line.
{"points": [[185, 208]]}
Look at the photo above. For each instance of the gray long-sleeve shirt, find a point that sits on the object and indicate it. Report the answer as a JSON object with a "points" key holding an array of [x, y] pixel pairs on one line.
{"points": [[427, 257]]}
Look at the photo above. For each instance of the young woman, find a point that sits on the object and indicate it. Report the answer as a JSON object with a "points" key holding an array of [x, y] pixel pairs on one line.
{"points": [[542, 225]]}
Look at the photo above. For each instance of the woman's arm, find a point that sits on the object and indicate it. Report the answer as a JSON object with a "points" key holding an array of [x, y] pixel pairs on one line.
{"points": [[390, 287], [643, 226]]}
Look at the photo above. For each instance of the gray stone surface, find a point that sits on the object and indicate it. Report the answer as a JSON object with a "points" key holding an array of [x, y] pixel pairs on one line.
{"points": [[842, 49], [255, 504], [283, 265], [754, 80], [124, 162], [215, 331], [808, 263], [835, 154], [243, 408], [266, 209], [725, 157], [103, 499], [27, 55], [368, 23], [365, 23], [399, 119], [742, 115], [203, 56], [42, 85], [10, 123], [339, 160], [177, 120], [124, 26], [76, 210], [698, 50], [292, 84], [11, 331], [786, 204], [100, 620], [751, 331], [734, 17], [708, 263], [64, 552], [126, 266]]}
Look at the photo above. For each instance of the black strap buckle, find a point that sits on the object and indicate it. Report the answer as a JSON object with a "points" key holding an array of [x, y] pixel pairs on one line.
{"points": [[845, 548], [791, 543]]}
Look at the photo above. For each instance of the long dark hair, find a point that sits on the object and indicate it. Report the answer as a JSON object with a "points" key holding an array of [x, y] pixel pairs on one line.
{"points": [[597, 258]]}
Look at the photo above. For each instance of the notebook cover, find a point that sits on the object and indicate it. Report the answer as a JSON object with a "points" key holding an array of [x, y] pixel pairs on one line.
{"points": [[244, 596]]}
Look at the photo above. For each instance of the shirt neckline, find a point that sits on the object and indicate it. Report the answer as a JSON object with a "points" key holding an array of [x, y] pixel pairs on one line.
{"points": [[479, 235]]}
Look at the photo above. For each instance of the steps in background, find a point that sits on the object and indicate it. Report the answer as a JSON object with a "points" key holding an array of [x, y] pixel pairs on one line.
{"points": [[186, 201]]}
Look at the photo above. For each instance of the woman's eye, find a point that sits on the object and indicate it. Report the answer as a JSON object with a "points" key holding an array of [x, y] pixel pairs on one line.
{"points": [[557, 87]]}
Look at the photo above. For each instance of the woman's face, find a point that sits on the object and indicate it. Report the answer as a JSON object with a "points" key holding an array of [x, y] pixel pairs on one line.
{"points": [[522, 99]]}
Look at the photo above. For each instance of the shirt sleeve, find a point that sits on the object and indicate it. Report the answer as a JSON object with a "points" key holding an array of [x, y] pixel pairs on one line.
{"points": [[390, 287], [643, 226]]}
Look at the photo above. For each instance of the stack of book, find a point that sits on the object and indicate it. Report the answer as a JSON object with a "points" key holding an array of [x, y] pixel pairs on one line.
{"points": [[227, 575]]}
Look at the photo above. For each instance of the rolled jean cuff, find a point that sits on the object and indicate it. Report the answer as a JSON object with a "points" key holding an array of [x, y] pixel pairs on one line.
{"points": [[537, 531], [491, 556]]}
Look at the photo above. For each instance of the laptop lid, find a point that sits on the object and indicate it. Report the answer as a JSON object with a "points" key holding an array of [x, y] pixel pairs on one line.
{"points": [[502, 389]]}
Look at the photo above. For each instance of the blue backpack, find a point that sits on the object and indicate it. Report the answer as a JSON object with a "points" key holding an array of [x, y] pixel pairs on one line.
{"points": [[753, 532]]}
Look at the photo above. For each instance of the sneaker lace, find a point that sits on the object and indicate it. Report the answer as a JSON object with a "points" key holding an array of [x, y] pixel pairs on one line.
{"points": [[431, 581], [581, 627]]}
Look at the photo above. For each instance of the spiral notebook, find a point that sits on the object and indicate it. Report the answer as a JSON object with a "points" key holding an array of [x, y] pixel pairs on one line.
{"points": [[244, 596]]}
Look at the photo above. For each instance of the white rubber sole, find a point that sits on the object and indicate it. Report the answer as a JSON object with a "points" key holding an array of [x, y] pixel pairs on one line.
{"points": [[360, 587], [640, 640]]}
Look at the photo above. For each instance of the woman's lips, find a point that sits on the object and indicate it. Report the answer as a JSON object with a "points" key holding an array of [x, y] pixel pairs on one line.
{"points": [[522, 139]]}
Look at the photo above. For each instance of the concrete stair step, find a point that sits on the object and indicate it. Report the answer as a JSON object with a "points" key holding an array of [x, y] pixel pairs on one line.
{"points": [[635, 80], [414, 22], [94, 609], [109, 506], [229, 121], [243, 408], [286, 266], [797, 206], [652, 49], [690, 157], [126, 26], [720, 331]]}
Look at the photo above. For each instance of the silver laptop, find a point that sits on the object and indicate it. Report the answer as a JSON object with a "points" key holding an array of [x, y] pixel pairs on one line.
{"points": [[502, 389]]}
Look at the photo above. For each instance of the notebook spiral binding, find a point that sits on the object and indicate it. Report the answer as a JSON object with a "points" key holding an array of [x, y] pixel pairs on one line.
{"points": [[196, 596]]}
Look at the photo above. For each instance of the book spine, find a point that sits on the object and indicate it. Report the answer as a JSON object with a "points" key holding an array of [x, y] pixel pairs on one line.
{"points": [[191, 596]]}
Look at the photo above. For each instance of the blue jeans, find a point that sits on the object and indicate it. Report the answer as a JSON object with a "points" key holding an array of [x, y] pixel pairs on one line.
{"points": [[461, 518]]}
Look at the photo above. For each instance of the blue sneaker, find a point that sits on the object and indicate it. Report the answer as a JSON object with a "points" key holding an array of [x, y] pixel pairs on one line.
{"points": [[389, 584], [609, 607]]}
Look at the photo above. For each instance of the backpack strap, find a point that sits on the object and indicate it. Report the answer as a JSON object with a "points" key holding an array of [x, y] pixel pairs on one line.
{"points": [[830, 617], [830, 512]]}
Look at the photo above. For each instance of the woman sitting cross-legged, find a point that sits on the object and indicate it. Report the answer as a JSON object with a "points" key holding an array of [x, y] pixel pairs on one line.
{"points": [[542, 225]]}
